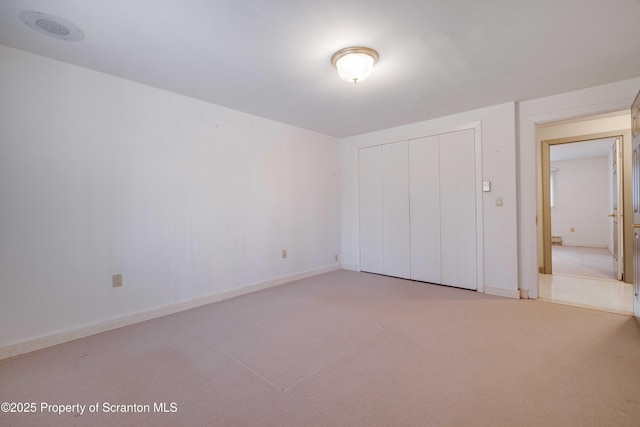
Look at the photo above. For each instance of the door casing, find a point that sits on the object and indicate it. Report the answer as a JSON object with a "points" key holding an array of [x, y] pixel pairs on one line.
{"points": [[626, 202]]}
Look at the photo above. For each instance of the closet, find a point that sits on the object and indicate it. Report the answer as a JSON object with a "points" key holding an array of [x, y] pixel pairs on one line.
{"points": [[419, 209]]}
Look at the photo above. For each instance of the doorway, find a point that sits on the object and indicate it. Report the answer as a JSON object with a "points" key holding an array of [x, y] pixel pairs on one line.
{"points": [[584, 194], [584, 208]]}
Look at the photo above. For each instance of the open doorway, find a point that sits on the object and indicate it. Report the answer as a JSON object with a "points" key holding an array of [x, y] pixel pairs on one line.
{"points": [[585, 176], [585, 209]]}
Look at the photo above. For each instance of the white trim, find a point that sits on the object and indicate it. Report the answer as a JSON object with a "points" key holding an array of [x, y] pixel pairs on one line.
{"points": [[350, 267], [357, 227], [479, 209], [418, 134], [585, 245], [501, 292], [152, 313]]}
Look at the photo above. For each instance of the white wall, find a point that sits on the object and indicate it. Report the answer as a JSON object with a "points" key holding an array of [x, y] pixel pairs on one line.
{"points": [[99, 175], [498, 166], [600, 99], [582, 202]]}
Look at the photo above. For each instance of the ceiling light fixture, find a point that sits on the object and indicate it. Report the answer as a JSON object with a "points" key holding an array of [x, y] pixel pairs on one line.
{"points": [[354, 64]]}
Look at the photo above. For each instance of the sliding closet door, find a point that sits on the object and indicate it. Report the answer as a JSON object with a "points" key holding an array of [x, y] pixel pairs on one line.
{"points": [[371, 220], [395, 194], [458, 209], [424, 188]]}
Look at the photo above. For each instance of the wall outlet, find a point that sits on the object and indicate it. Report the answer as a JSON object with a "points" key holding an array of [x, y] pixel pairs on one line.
{"points": [[116, 280], [284, 253], [499, 201], [336, 257]]}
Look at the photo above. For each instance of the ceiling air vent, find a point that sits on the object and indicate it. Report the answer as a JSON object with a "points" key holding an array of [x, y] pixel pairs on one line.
{"points": [[52, 26]]}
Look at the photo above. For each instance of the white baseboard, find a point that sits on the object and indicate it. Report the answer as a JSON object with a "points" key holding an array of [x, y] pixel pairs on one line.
{"points": [[584, 245], [501, 292], [350, 267], [152, 313]]}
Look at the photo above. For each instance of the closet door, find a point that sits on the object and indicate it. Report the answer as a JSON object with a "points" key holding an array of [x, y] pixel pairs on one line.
{"points": [[424, 189], [458, 209], [395, 190], [371, 222]]}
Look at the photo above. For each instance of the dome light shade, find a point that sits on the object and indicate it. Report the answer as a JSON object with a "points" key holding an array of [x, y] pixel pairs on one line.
{"points": [[355, 64]]}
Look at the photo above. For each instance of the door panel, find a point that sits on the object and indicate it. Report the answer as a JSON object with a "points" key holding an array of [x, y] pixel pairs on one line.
{"points": [[419, 215], [424, 188], [395, 191], [618, 241], [371, 216], [635, 173], [614, 201], [458, 209], [636, 272]]}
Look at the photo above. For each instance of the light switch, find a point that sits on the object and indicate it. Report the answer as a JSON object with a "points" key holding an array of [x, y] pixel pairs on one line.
{"points": [[486, 186]]}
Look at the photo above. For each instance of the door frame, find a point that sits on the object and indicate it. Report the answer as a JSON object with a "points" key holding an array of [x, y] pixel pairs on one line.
{"points": [[547, 264]]}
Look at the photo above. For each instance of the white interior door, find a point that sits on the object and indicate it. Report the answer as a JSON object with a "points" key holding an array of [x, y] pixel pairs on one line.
{"points": [[635, 173], [458, 238], [371, 213], [424, 189], [618, 241], [395, 195]]}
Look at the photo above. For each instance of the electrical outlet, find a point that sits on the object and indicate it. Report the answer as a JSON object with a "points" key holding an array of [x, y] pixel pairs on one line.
{"points": [[336, 257], [499, 201], [284, 253], [116, 280]]}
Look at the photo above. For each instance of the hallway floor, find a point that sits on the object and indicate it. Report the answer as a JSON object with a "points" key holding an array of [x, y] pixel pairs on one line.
{"points": [[606, 295], [585, 277], [583, 262]]}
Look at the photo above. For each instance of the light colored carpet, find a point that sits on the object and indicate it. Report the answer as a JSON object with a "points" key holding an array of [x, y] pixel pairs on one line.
{"points": [[583, 262], [347, 349]]}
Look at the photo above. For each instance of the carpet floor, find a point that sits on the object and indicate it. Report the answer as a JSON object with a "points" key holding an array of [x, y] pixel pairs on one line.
{"points": [[342, 349]]}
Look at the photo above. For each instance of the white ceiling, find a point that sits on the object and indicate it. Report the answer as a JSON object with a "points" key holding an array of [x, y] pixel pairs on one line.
{"points": [[271, 58], [581, 150]]}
